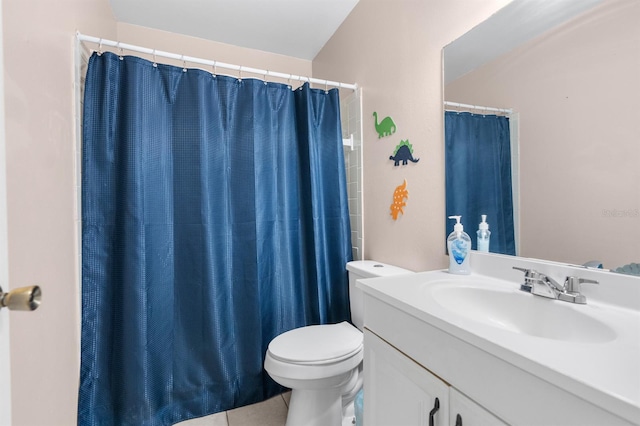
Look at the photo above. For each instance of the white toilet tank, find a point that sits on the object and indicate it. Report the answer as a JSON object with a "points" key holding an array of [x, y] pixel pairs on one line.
{"points": [[359, 269]]}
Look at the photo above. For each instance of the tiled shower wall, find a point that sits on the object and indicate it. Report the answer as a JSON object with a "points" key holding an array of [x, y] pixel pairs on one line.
{"points": [[351, 116]]}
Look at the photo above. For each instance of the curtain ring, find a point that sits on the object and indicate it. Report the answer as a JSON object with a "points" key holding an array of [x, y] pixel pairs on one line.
{"points": [[214, 69], [184, 64], [289, 82], [155, 63], [120, 51], [326, 87], [240, 73], [100, 48], [265, 77]]}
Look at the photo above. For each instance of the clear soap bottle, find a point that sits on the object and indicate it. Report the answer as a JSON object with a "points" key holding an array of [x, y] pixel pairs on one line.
{"points": [[483, 235], [459, 244]]}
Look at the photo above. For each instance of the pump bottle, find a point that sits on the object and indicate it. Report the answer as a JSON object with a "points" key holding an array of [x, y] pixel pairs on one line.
{"points": [[483, 235], [459, 244]]}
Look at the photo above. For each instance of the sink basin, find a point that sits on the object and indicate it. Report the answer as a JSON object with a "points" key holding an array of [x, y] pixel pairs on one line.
{"points": [[520, 312]]}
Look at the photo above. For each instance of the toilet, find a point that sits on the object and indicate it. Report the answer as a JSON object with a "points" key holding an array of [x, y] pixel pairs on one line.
{"points": [[322, 364]]}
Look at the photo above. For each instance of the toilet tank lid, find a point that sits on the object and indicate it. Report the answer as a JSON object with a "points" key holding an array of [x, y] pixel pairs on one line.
{"points": [[371, 269]]}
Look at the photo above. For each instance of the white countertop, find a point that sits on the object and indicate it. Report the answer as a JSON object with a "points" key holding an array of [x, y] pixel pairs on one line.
{"points": [[605, 373]]}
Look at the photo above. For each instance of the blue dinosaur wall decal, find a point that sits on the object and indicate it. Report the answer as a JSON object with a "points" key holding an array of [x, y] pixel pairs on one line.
{"points": [[404, 153]]}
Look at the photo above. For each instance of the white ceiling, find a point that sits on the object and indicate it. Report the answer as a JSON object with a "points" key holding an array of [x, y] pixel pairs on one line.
{"points": [[300, 28], [297, 28]]}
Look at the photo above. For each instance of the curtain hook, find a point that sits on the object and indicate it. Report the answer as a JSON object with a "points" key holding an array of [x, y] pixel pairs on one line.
{"points": [[100, 48], [155, 63], [120, 51], [289, 82], [184, 64], [265, 77], [326, 87], [240, 73], [214, 69]]}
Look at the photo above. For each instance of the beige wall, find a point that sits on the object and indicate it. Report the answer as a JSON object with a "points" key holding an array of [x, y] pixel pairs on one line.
{"points": [[393, 50], [39, 65], [576, 90], [191, 46]]}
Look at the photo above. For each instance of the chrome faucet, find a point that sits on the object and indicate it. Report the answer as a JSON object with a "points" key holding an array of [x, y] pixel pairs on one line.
{"points": [[545, 286]]}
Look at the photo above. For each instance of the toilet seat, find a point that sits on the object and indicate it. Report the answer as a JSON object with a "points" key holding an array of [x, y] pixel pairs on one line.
{"points": [[322, 365], [317, 344]]}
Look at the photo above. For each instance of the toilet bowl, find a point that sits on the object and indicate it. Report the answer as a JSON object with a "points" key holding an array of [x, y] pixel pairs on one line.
{"points": [[322, 364], [316, 362]]}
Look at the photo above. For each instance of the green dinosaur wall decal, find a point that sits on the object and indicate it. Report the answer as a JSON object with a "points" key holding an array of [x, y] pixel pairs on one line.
{"points": [[386, 127]]}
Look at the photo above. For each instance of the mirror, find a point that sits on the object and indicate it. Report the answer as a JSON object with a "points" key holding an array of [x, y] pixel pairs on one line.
{"points": [[570, 73]]}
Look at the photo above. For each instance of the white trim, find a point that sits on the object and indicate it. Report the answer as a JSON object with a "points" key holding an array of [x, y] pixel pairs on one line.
{"points": [[363, 246], [514, 133], [478, 107], [5, 356], [81, 60]]}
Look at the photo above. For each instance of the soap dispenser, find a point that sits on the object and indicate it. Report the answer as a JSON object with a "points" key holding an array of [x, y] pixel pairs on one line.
{"points": [[459, 244], [483, 235]]}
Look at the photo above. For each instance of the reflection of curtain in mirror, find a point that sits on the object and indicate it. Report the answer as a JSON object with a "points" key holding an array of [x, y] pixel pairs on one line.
{"points": [[478, 176]]}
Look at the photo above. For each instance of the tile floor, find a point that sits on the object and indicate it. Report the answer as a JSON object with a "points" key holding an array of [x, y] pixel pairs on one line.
{"points": [[272, 412]]}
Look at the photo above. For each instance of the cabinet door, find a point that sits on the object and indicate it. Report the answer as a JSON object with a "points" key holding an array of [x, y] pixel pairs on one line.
{"points": [[398, 391], [465, 412]]}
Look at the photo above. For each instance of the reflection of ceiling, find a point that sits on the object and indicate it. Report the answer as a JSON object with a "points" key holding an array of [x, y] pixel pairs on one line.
{"points": [[298, 28], [514, 24]]}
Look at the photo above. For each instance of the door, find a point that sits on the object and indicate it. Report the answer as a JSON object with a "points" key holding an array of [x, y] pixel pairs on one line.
{"points": [[5, 378]]}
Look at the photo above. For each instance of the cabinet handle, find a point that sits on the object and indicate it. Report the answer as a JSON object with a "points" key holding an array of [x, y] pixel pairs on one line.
{"points": [[436, 407], [458, 420]]}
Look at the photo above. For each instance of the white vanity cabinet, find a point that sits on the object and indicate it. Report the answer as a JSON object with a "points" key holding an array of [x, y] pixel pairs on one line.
{"points": [[465, 412], [400, 392], [416, 352]]}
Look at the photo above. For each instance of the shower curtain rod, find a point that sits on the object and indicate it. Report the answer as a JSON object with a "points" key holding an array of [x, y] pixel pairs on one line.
{"points": [[216, 64], [482, 108]]}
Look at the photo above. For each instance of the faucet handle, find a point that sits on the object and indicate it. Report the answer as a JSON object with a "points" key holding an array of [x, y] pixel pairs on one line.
{"points": [[572, 292], [572, 284], [529, 275]]}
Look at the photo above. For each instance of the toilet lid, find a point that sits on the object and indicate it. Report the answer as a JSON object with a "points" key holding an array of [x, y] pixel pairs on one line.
{"points": [[317, 343]]}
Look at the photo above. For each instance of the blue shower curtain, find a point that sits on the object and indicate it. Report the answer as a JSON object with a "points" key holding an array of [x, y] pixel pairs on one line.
{"points": [[478, 176], [214, 217]]}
